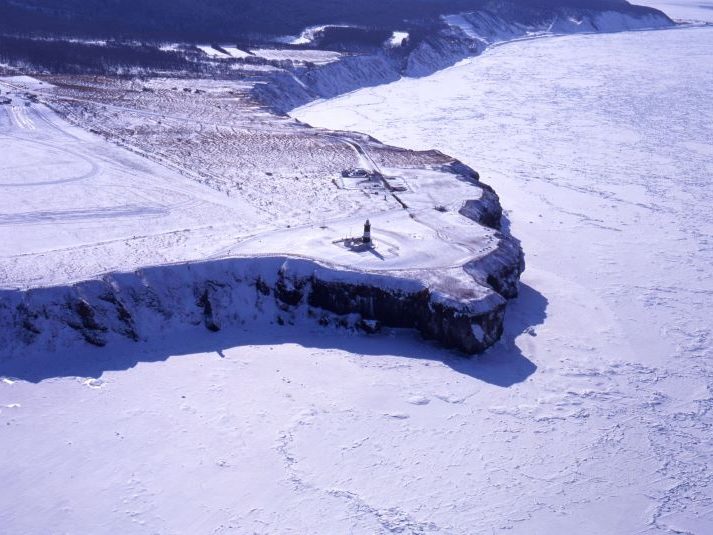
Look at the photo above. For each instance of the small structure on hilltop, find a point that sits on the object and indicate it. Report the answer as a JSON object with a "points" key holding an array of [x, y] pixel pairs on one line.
{"points": [[360, 244], [367, 232]]}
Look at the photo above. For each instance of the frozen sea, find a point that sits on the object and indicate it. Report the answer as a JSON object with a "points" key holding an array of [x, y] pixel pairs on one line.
{"points": [[594, 415], [601, 148]]}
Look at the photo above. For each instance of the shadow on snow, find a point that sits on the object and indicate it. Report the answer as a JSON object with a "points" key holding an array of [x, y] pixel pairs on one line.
{"points": [[502, 365]]}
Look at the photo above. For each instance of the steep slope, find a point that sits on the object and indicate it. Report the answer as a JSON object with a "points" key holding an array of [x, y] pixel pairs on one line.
{"points": [[188, 20], [458, 37]]}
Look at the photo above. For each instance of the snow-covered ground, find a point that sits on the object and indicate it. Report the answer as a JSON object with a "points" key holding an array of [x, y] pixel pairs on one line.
{"points": [[318, 57], [69, 194], [593, 415], [74, 205], [397, 39], [683, 10], [230, 51]]}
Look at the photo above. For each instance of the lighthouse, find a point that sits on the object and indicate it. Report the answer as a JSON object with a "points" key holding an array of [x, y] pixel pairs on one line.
{"points": [[367, 232]]}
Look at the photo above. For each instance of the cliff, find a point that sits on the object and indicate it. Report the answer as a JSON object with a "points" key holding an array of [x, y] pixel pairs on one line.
{"points": [[458, 37], [460, 307], [225, 294]]}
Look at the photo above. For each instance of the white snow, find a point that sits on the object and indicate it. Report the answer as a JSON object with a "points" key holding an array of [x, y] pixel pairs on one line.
{"points": [[318, 57], [69, 194], [27, 83], [460, 22], [208, 50], [236, 52], [307, 36], [683, 10], [74, 205], [170, 47], [489, 29], [230, 51], [396, 39]]}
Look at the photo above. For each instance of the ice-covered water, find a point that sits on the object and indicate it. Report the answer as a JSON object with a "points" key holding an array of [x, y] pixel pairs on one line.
{"points": [[601, 148]]}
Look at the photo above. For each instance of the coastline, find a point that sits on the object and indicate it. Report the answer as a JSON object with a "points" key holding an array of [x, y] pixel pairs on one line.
{"points": [[493, 271]]}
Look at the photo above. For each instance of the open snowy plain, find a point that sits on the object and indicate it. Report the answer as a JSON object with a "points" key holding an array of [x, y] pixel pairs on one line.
{"points": [[592, 415]]}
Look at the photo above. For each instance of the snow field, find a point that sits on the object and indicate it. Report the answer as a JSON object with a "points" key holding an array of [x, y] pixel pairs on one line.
{"points": [[318, 57], [68, 194]]}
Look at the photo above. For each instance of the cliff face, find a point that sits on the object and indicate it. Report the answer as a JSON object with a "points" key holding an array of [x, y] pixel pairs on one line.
{"points": [[459, 37], [460, 307], [229, 293]]}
